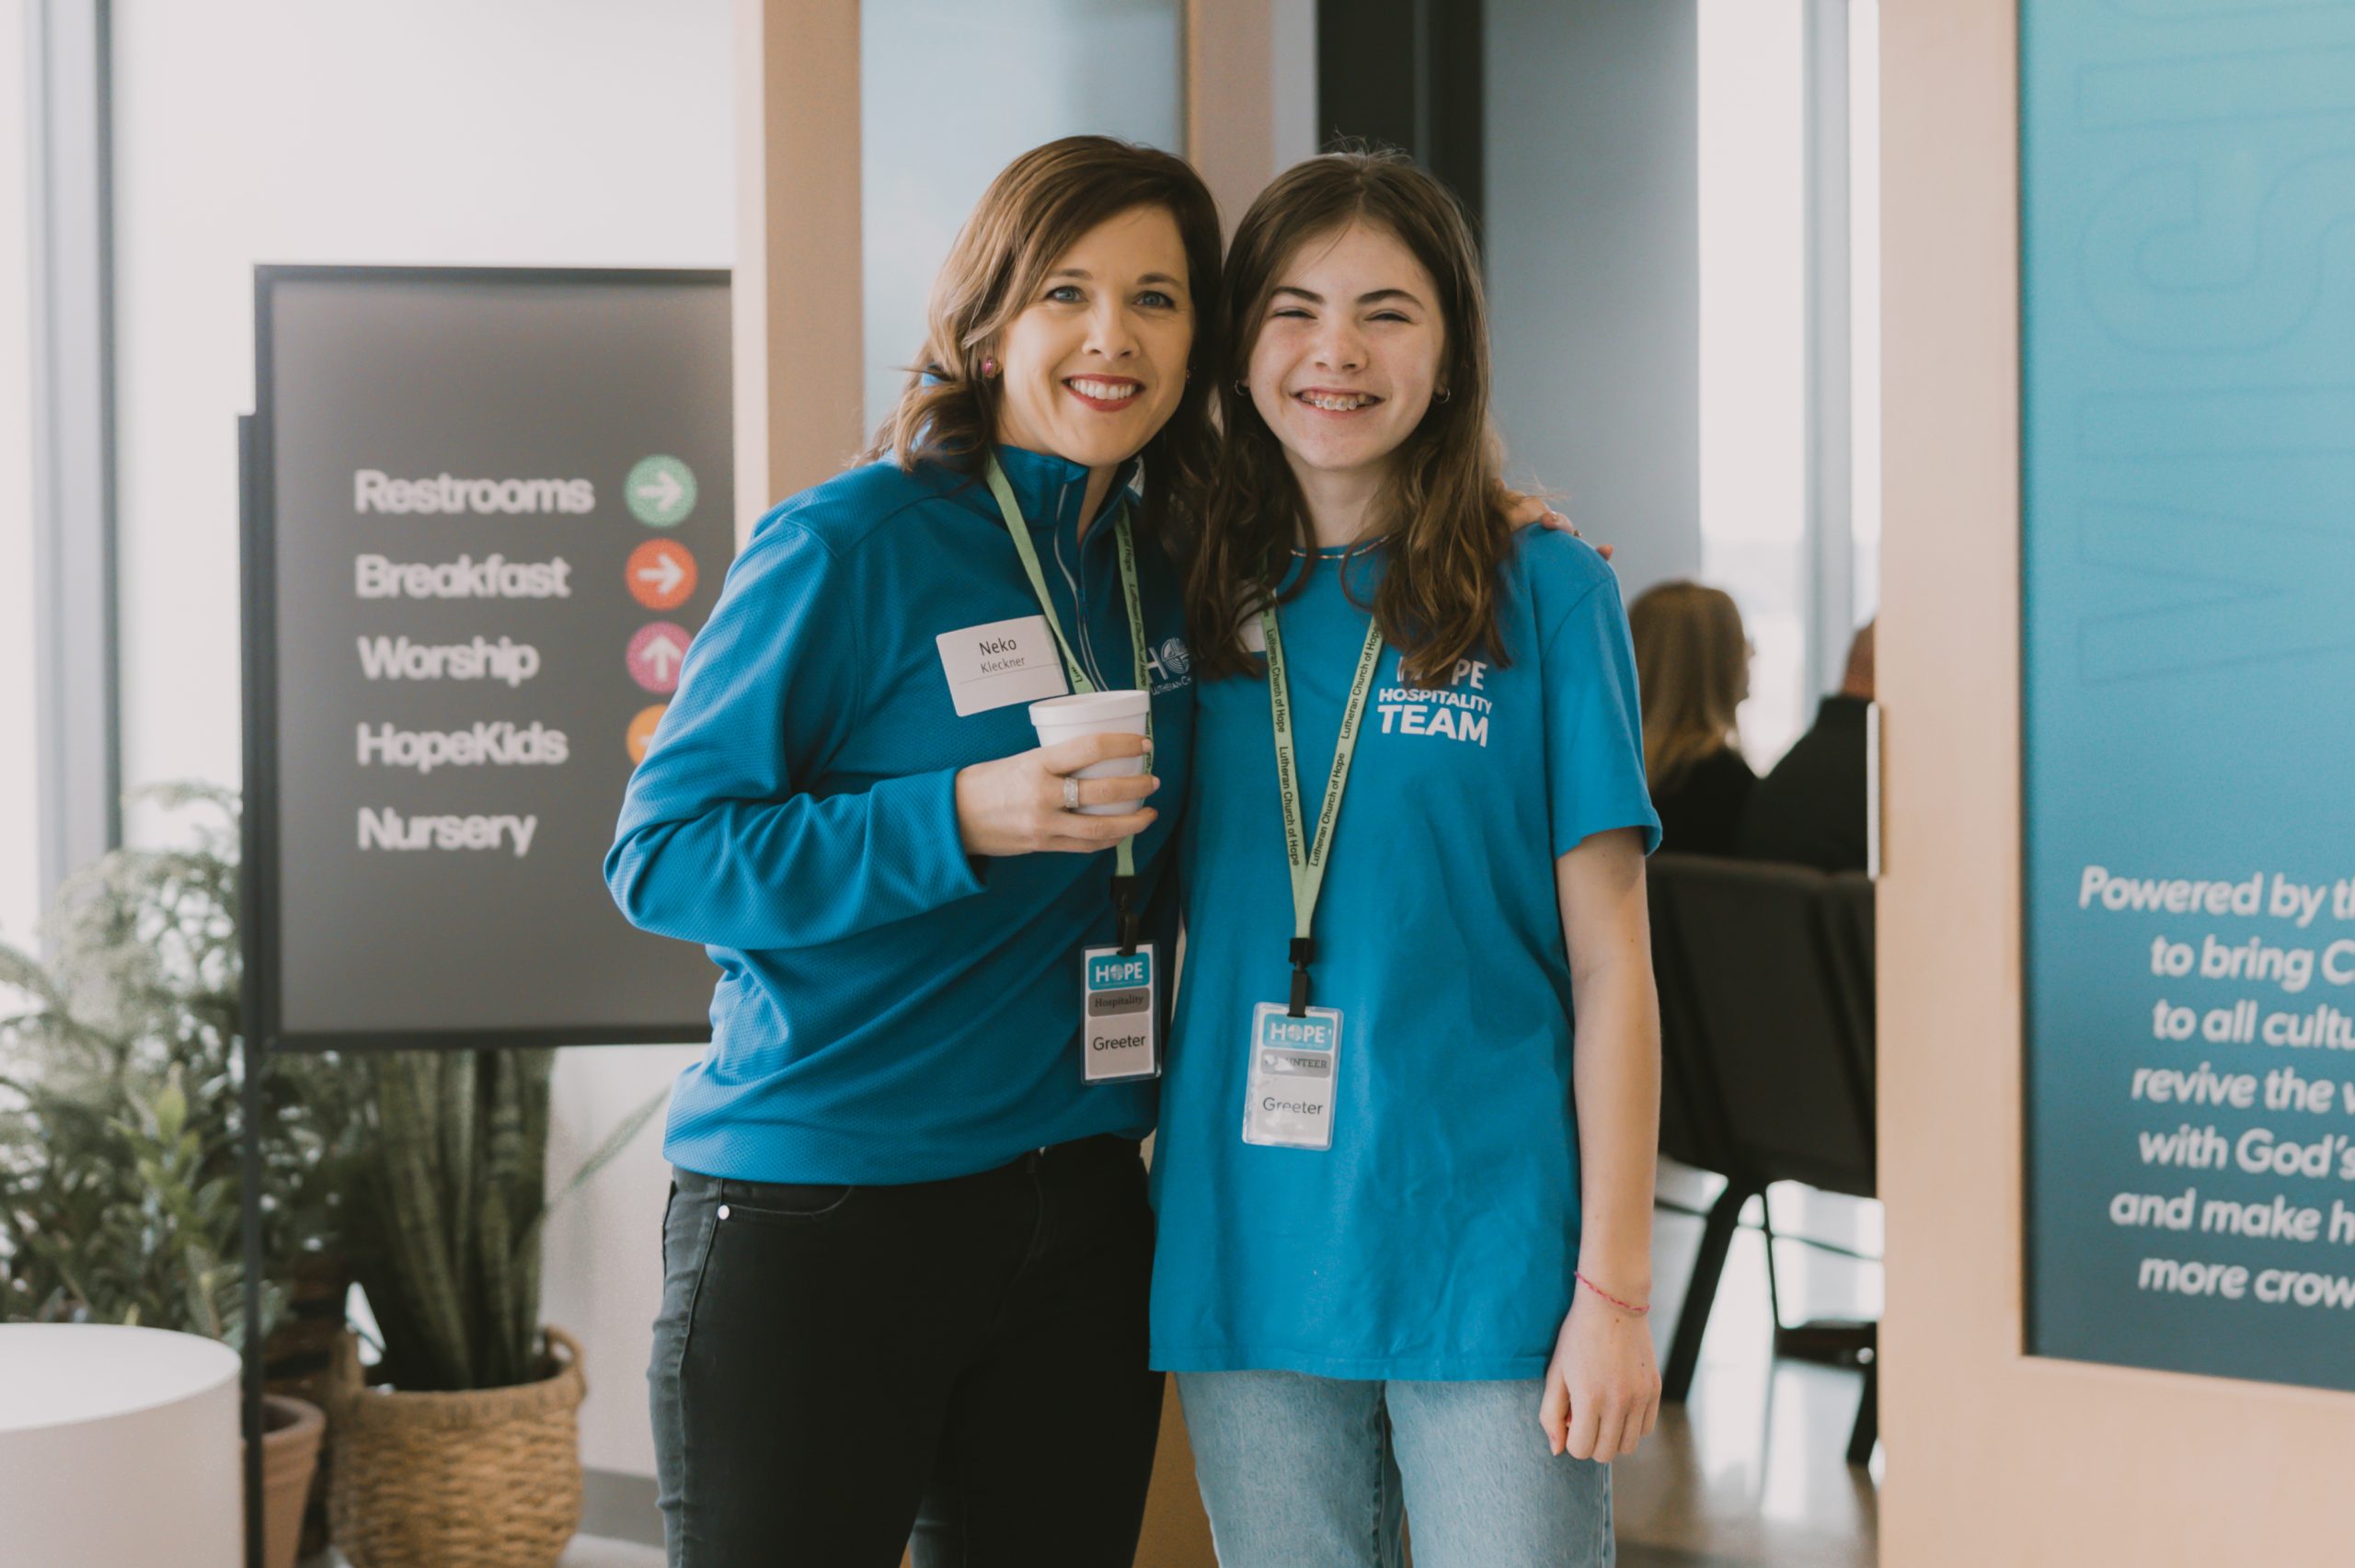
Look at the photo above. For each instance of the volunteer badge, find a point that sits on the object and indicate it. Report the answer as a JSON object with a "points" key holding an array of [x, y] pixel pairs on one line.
{"points": [[1289, 1093]]}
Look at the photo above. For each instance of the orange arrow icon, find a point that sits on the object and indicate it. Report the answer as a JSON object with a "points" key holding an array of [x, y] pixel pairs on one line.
{"points": [[640, 734], [661, 574]]}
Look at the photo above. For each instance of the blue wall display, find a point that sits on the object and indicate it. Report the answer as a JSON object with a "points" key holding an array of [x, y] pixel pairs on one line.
{"points": [[2187, 293]]}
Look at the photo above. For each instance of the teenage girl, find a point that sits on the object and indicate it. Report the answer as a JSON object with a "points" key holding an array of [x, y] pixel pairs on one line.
{"points": [[1405, 1166]]}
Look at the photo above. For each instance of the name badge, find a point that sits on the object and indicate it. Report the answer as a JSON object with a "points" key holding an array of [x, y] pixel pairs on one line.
{"points": [[1288, 1098], [1119, 1000], [1001, 662]]}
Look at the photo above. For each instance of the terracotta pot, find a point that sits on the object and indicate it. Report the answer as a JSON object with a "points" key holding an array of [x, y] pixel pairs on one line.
{"points": [[290, 1431], [297, 1359]]}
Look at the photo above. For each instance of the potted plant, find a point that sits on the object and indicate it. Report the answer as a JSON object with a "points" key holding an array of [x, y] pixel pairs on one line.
{"points": [[461, 1448], [120, 1124], [420, 1173]]}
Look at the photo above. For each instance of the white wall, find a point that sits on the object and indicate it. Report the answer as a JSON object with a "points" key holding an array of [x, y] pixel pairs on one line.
{"points": [[19, 856], [602, 1263], [550, 132], [583, 132]]}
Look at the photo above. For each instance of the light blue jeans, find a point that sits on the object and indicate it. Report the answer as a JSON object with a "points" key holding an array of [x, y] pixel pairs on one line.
{"points": [[1316, 1472]]}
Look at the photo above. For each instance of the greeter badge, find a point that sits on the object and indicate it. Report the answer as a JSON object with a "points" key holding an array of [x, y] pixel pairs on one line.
{"points": [[1289, 1091], [1123, 1004], [1119, 986]]}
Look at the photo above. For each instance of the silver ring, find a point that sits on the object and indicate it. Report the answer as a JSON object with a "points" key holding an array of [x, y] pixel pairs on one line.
{"points": [[1071, 793]]}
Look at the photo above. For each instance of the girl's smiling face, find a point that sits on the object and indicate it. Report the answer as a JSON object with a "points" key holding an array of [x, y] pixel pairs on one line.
{"points": [[1349, 351], [1096, 362]]}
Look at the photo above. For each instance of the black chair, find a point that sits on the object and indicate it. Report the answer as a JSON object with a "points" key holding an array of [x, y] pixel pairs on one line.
{"points": [[1689, 1128], [1767, 1014]]}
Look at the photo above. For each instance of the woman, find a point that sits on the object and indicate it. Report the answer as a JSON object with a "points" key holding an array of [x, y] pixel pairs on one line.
{"points": [[907, 1249], [1405, 1230], [1692, 660]]}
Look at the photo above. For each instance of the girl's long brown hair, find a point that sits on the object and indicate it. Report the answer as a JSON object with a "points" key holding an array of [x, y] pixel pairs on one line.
{"points": [[1037, 208], [1692, 665], [1441, 510]]}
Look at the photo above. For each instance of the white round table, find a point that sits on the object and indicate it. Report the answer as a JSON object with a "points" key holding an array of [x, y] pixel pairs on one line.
{"points": [[119, 1447]]}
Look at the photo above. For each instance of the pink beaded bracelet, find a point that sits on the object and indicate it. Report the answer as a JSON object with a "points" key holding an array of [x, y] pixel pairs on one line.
{"points": [[1623, 1306]]}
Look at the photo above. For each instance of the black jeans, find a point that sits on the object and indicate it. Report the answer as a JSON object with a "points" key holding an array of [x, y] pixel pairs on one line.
{"points": [[831, 1361]]}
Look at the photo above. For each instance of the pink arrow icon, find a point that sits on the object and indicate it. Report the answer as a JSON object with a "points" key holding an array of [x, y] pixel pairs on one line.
{"points": [[655, 654]]}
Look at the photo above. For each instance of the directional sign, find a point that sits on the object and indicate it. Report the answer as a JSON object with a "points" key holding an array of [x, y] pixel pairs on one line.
{"points": [[655, 654], [454, 534], [661, 574], [660, 491]]}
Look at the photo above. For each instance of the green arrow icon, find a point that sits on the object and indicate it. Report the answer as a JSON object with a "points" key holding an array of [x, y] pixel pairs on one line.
{"points": [[660, 491]]}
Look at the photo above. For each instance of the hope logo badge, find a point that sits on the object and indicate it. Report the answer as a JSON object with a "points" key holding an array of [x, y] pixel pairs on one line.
{"points": [[1289, 1091], [1116, 972], [1118, 1036]]}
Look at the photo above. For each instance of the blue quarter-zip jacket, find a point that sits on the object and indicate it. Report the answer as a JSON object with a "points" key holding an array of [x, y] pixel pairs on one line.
{"points": [[890, 1009]]}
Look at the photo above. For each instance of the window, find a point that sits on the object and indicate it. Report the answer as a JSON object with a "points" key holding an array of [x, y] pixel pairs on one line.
{"points": [[20, 821], [1789, 340]]}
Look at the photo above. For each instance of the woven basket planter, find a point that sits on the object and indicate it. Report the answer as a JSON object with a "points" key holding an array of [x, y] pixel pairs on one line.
{"points": [[483, 1479]]}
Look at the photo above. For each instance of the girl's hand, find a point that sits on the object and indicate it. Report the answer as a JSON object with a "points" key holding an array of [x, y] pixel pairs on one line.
{"points": [[1602, 1389], [1529, 510], [1014, 806]]}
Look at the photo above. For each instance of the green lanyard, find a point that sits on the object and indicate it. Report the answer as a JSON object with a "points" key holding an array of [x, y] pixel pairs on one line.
{"points": [[1124, 861], [1308, 857]]}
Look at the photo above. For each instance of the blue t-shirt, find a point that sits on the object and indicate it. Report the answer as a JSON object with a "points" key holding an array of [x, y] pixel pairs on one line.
{"points": [[1437, 1237], [889, 1008]]}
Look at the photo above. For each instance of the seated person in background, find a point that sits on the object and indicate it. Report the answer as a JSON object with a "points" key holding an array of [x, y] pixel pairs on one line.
{"points": [[1810, 810], [1693, 664]]}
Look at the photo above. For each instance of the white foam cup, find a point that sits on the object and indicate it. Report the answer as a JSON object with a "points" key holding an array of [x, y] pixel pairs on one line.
{"points": [[1058, 719]]}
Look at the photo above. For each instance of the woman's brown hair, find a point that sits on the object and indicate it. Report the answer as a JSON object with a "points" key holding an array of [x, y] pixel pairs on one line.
{"points": [[1692, 665], [1037, 208], [1441, 510]]}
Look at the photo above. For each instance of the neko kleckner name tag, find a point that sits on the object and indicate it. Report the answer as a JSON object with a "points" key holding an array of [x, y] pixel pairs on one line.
{"points": [[1117, 1039], [1001, 662]]}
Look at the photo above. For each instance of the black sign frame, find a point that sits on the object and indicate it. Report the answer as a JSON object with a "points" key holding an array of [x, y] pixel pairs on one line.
{"points": [[260, 919]]}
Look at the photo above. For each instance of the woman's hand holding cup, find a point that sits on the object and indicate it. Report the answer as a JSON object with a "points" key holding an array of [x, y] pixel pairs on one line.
{"points": [[1014, 806]]}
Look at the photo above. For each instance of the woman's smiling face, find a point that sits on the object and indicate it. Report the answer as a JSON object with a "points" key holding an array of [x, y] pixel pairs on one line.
{"points": [[1349, 351], [1096, 362]]}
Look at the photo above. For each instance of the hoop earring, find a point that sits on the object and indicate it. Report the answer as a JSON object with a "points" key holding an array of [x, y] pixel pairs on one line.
{"points": [[1442, 394], [1242, 389]]}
